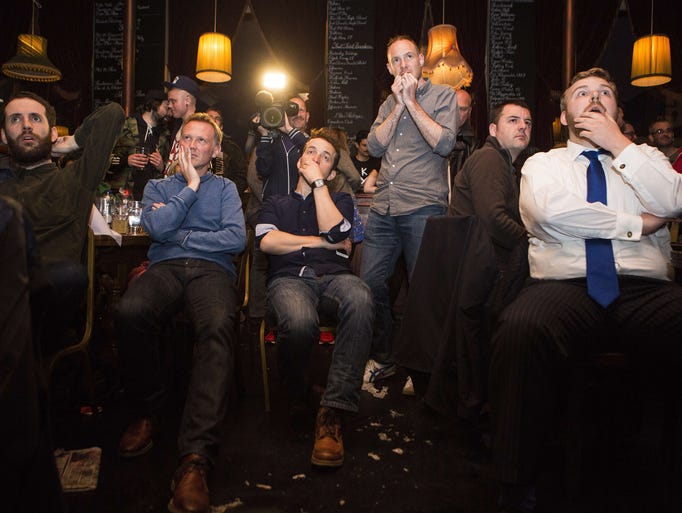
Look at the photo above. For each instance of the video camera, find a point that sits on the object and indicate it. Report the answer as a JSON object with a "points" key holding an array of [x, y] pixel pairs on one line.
{"points": [[272, 113]]}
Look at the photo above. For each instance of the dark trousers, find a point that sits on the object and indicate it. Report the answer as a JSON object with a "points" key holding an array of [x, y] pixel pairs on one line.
{"points": [[550, 323], [208, 294]]}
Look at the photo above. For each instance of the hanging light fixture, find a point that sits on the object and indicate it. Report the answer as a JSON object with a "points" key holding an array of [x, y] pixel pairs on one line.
{"points": [[214, 56], [651, 64], [444, 64], [31, 62]]}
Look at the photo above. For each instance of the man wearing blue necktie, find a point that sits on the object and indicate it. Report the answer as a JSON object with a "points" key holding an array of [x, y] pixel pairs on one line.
{"points": [[599, 256]]}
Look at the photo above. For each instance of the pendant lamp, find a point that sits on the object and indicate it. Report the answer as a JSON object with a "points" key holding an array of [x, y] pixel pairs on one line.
{"points": [[444, 63], [214, 56], [31, 62], [651, 64]]}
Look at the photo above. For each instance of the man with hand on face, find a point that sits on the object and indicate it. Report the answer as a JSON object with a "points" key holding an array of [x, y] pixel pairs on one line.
{"points": [[599, 257], [413, 134], [58, 201], [305, 235], [195, 221]]}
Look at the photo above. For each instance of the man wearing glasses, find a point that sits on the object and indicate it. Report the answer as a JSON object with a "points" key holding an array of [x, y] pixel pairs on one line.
{"points": [[662, 136]]}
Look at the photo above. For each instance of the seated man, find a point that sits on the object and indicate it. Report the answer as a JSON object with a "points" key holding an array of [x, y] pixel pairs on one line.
{"points": [[57, 200], [195, 221], [599, 252], [304, 234]]}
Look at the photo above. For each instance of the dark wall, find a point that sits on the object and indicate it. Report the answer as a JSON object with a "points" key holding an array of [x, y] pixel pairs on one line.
{"points": [[296, 32]]}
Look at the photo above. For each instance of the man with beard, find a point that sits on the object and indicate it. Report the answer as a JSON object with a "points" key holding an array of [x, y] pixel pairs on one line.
{"points": [[599, 257], [58, 201], [144, 142]]}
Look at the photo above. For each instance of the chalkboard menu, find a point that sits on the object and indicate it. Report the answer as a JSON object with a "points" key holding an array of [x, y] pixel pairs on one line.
{"points": [[108, 50], [350, 64], [511, 51]]}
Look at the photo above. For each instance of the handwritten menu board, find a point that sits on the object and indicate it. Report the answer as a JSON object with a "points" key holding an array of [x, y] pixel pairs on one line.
{"points": [[350, 64], [108, 50], [511, 51]]}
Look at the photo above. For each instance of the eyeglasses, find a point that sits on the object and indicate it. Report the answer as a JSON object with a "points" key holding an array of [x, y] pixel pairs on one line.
{"points": [[662, 131]]}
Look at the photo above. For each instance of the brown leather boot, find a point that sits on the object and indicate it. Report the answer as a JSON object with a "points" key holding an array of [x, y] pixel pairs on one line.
{"points": [[190, 491], [137, 439], [328, 449]]}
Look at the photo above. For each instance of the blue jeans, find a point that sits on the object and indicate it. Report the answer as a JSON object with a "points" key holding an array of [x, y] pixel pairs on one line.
{"points": [[208, 294], [298, 303], [387, 236]]}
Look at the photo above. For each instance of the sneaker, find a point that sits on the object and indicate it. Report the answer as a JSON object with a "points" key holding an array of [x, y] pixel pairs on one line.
{"points": [[270, 337], [375, 371], [326, 338]]}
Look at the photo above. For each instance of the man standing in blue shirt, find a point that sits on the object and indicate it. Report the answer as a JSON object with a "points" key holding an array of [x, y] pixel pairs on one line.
{"points": [[305, 235], [413, 134], [195, 221]]}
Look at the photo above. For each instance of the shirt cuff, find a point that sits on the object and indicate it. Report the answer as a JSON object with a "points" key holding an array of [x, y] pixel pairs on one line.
{"points": [[628, 227], [629, 160]]}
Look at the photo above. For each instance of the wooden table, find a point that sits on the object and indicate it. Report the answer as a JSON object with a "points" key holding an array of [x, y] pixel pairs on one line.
{"points": [[117, 261]]}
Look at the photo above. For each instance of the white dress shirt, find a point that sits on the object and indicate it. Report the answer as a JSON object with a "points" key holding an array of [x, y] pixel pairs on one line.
{"points": [[556, 213]]}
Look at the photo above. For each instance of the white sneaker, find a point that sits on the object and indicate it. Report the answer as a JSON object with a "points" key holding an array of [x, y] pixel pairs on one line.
{"points": [[375, 371]]}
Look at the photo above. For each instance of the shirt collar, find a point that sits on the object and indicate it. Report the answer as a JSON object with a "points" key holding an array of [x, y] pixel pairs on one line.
{"points": [[575, 150]]}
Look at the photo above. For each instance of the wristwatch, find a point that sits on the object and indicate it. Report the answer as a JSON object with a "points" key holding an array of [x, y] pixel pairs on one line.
{"points": [[318, 183]]}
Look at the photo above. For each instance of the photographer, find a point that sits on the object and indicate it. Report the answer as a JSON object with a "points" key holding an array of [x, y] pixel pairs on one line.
{"points": [[278, 151]]}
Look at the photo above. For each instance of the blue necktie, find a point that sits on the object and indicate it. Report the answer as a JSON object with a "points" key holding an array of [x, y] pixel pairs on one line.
{"points": [[602, 279]]}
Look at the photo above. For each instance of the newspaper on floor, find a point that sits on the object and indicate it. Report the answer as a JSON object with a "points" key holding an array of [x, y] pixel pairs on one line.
{"points": [[78, 469]]}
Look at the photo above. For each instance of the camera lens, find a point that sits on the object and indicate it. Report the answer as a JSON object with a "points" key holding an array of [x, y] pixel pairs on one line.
{"points": [[272, 117]]}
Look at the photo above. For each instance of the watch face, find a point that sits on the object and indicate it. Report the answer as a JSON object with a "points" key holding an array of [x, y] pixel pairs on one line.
{"points": [[318, 183]]}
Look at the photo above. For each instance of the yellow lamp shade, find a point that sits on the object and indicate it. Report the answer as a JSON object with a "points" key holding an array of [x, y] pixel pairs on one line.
{"points": [[31, 61], [444, 64], [214, 58], [651, 64], [442, 39]]}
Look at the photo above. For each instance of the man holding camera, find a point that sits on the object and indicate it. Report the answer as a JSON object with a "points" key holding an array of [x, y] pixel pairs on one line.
{"points": [[279, 150]]}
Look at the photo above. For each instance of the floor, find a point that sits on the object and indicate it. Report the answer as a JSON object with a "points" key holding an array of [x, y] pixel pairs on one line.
{"points": [[401, 457]]}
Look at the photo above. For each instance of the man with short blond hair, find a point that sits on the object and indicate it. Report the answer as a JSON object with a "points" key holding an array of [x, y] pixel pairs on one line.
{"points": [[196, 225]]}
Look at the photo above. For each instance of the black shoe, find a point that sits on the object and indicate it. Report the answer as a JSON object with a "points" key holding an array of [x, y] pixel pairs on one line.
{"points": [[517, 498]]}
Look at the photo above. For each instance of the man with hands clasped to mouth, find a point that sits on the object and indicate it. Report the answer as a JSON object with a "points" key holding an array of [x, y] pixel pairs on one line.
{"points": [[305, 235], [195, 221], [599, 260], [414, 132]]}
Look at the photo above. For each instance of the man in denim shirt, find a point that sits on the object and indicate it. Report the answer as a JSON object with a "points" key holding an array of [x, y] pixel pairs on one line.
{"points": [[413, 134]]}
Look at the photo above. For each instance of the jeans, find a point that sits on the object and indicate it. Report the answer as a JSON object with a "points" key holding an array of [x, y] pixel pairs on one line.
{"points": [[208, 294], [297, 303], [386, 236]]}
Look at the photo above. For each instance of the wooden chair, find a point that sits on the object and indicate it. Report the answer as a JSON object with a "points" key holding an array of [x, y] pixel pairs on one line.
{"points": [[264, 328], [81, 347]]}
